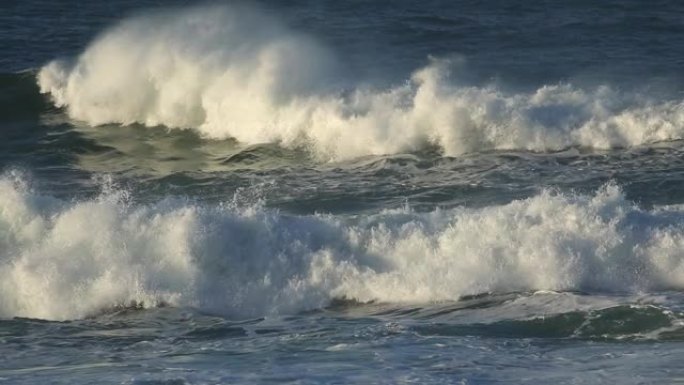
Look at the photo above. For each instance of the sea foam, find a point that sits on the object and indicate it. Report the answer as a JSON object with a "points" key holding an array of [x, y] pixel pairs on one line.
{"points": [[236, 72], [71, 259]]}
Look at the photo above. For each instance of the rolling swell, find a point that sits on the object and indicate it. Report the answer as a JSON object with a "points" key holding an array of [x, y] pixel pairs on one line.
{"points": [[205, 68], [623, 322], [65, 260]]}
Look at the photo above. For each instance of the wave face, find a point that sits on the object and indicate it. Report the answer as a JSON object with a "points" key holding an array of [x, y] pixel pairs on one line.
{"points": [[65, 260], [235, 72]]}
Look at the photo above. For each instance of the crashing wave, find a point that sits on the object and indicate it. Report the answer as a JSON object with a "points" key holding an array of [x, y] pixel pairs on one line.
{"points": [[235, 72], [68, 259]]}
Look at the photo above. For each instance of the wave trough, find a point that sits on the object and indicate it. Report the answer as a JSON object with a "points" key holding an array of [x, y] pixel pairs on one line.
{"points": [[65, 260]]}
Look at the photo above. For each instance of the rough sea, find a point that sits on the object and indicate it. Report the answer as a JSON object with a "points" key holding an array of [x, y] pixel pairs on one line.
{"points": [[336, 192]]}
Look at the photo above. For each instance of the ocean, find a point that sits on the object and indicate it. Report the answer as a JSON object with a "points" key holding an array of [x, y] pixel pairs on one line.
{"points": [[335, 192]]}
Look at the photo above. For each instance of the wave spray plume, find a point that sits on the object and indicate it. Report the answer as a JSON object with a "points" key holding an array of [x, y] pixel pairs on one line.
{"points": [[236, 72]]}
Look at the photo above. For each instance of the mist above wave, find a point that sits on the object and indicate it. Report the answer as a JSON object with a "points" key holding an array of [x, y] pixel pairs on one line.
{"points": [[236, 72], [62, 260]]}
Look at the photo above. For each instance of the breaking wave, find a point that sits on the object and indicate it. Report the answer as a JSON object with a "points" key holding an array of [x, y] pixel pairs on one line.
{"points": [[236, 72], [70, 259]]}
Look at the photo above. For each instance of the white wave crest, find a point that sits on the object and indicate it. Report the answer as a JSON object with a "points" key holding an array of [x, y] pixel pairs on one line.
{"points": [[63, 260], [234, 72]]}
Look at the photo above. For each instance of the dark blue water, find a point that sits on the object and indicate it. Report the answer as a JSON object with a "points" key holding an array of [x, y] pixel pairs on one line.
{"points": [[341, 192]]}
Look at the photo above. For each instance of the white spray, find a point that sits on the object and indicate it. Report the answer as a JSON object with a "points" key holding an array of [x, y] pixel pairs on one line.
{"points": [[62, 260], [235, 72]]}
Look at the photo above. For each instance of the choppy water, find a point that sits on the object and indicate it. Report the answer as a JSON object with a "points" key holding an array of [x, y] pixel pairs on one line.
{"points": [[341, 192]]}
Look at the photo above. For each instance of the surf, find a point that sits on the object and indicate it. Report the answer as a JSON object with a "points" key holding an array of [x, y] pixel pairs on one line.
{"points": [[70, 259], [237, 72]]}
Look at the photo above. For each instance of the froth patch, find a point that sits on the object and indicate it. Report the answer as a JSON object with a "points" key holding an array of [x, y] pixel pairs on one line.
{"points": [[62, 260]]}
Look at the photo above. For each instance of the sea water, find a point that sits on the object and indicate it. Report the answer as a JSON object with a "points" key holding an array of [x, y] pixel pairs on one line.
{"points": [[341, 192]]}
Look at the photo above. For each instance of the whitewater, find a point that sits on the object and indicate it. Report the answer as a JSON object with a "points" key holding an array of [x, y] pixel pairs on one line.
{"points": [[71, 260], [322, 192], [207, 69]]}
